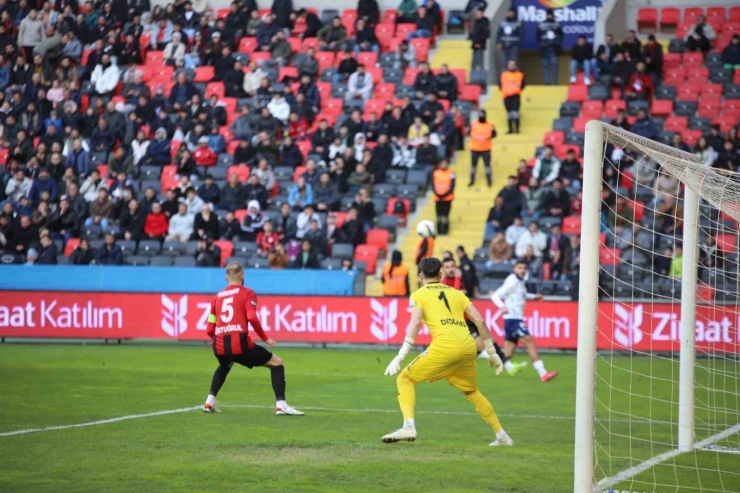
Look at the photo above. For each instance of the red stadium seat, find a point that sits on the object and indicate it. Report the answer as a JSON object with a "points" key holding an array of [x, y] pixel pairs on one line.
{"points": [[241, 171], [379, 238], [562, 150], [710, 98], [717, 14], [731, 28], [385, 29], [579, 124], [227, 248], [403, 30], [647, 18], [592, 110], [734, 14], [389, 16], [155, 58], [577, 93], [376, 105], [295, 44], [216, 88], [369, 255], [385, 91], [725, 123], [203, 74], [4, 152], [410, 75], [698, 74], [661, 107], [609, 256], [690, 14], [470, 92], [421, 46], [169, 170], [572, 225], [287, 72], [612, 106], [669, 17], [687, 92], [725, 242], [325, 59], [554, 137], [298, 172], [712, 89], [146, 72], [683, 29], [709, 109], [239, 215], [368, 58], [691, 137], [692, 59], [222, 13], [71, 245], [333, 106], [248, 45], [310, 43], [676, 123]]}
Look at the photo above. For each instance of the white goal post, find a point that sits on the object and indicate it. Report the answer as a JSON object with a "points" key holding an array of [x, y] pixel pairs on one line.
{"points": [[657, 409]]}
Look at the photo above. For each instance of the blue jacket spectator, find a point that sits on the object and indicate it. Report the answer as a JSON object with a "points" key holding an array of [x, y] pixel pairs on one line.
{"points": [[110, 253], [158, 152], [4, 76], [102, 138], [300, 195], [644, 126], [265, 33], [78, 159], [44, 182], [216, 141], [309, 89], [182, 91], [209, 191]]}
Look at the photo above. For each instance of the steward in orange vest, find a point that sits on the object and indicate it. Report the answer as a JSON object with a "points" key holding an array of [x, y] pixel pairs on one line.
{"points": [[512, 83], [443, 185], [424, 249], [481, 135], [395, 276]]}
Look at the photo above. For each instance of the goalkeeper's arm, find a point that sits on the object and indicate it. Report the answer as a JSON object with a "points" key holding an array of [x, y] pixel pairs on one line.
{"points": [[412, 332], [493, 359]]}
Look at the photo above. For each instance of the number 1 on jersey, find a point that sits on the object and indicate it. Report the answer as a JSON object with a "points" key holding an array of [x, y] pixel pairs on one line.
{"points": [[444, 298]]}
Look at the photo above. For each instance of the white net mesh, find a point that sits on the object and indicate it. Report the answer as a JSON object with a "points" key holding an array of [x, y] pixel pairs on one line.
{"points": [[638, 334]]}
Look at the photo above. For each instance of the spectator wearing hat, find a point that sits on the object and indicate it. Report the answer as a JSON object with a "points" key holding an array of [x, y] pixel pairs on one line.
{"points": [[110, 253], [253, 221], [204, 155]]}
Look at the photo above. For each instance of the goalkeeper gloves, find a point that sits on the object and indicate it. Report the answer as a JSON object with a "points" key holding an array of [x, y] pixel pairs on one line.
{"points": [[493, 359], [395, 365]]}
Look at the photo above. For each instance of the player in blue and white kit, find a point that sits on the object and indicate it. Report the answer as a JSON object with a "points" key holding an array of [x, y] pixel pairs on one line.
{"points": [[511, 298]]}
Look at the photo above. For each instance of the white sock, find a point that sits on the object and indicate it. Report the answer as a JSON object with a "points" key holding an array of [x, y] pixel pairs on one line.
{"points": [[502, 435], [211, 400], [409, 423], [281, 404], [508, 365], [540, 367]]}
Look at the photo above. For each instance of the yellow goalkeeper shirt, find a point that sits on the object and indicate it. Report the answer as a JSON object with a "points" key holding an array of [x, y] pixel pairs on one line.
{"points": [[444, 315]]}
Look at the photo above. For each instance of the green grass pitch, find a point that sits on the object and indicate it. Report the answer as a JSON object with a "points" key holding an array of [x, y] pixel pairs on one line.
{"points": [[335, 448]]}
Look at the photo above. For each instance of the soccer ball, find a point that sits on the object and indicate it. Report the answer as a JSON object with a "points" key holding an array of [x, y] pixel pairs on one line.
{"points": [[425, 228]]}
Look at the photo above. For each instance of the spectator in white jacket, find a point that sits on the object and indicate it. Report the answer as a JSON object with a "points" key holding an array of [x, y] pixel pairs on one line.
{"points": [[404, 154], [303, 221], [30, 33], [181, 225], [253, 79], [174, 52], [533, 237], [92, 185], [192, 201], [360, 85], [18, 186], [105, 76], [279, 107]]}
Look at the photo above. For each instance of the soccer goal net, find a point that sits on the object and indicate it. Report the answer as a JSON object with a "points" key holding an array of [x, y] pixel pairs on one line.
{"points": [[658, 384]]}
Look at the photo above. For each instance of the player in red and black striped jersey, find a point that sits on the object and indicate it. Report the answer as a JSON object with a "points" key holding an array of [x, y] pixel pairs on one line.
{"points": [[452, 277], [232, 311]]}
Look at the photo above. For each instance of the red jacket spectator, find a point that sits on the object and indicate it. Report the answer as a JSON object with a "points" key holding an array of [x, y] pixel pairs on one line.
{"points": [[640, 84], [267, 241], [298, 128], [156, 224], [203, 155]]}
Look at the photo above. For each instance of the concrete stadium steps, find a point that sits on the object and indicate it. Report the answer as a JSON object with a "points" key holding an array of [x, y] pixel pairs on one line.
{"points": [[540, 106], [456, 53]]}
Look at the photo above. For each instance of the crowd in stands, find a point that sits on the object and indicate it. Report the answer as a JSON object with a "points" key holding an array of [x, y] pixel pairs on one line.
{"points": [[127, 130], [632, 85]]}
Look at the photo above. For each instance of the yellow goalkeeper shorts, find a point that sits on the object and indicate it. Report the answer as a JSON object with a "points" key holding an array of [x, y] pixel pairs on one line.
{"points": [[458, 367]]}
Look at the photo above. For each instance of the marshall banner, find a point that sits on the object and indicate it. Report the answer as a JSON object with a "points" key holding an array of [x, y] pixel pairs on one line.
{"points": [[576, 17], [326, 319]]}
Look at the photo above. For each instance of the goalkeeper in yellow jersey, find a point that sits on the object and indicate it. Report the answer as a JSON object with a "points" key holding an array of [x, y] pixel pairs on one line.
{"points": [[451, 355]]}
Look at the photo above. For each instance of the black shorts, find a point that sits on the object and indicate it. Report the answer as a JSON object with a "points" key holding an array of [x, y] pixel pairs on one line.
{"points": [[257, 356], [472, 328]]}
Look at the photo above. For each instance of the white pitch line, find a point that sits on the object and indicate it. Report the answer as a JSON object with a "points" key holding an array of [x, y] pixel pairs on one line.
{"points": [[100, 422], [607, 483]]}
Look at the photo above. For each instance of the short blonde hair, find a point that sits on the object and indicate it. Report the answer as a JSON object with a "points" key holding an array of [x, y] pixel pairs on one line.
{"points": [[233, 270]]}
